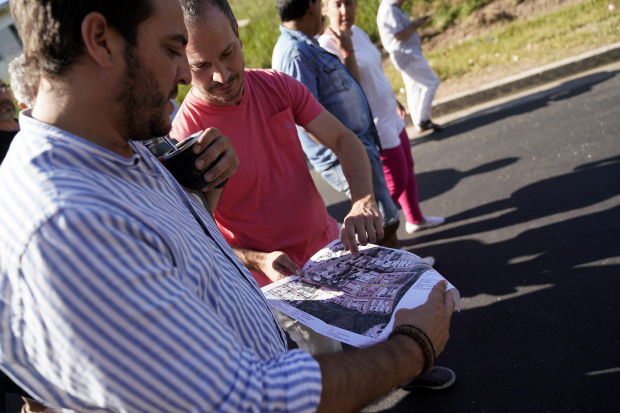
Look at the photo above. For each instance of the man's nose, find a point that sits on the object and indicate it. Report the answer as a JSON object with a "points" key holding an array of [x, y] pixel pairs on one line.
{"points": [[220, 73], [184, 74]]}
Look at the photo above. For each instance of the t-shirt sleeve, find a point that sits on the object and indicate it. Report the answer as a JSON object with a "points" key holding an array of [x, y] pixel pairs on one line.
{"points": [[304, 105], [327, 44], [117, 327], [387, 20]]}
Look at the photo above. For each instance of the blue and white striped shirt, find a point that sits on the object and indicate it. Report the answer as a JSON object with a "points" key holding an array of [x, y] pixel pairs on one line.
{"points": [[119, 294]]}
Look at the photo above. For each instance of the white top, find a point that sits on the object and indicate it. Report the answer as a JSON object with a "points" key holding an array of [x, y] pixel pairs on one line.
{"points": [[375, 85], [391, 19]]}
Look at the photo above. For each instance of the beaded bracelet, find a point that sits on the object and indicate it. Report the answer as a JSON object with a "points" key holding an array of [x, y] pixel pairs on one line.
{"points": [[422, 339]]}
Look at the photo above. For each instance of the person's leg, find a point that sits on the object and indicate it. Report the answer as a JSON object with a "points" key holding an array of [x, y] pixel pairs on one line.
{"points": [[413, 95], [306, 338], [423, 83], [394, 170], [336, 179], [382, 193], [409, 198]]}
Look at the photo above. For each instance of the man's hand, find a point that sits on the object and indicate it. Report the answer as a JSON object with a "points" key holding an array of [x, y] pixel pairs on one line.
{"points": [[275, 264], [400, 109], [213, 145], [433, 317], [365, 221]]}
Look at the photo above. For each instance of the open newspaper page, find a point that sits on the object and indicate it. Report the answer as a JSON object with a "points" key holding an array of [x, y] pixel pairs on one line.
{"points": [[353, 299]]}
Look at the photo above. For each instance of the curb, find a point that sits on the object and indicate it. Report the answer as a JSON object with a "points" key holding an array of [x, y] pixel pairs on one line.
{"points": [[526, 80]]}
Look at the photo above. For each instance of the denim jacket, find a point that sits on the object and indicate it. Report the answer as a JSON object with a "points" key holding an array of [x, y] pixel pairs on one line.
{"points": [[332, 85]]}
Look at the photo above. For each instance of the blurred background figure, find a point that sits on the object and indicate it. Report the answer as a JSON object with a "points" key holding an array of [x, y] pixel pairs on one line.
{"points": [[8, 124], [400, 38], [356, 51], [25, 85]]}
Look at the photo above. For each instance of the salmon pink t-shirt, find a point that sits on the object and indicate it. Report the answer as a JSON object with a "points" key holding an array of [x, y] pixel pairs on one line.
{"points": [[271, 203]]}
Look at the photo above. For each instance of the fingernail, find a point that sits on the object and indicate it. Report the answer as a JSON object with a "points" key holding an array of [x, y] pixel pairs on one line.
{"points": [[209, 177], [200, 163], [196, 149], [298, 272]]}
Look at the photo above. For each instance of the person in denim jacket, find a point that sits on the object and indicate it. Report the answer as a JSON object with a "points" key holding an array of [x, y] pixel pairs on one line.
{"points": [[297, 54]]}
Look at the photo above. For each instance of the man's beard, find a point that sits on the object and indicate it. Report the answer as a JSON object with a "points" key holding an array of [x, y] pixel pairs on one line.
{"points": [[143, 104], [7, 110], [232, 95]]}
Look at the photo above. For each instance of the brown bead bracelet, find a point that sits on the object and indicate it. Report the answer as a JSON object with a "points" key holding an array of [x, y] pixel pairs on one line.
{"points": [[422, 339]]}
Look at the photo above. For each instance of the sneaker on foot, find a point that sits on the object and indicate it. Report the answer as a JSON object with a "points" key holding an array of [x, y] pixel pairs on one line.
{"points": [[426, 125], [428, 222], [438, 378], [430, 260]]}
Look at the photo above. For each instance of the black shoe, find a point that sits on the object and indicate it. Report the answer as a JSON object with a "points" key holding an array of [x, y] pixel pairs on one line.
{"points": [[426, 125], [439, 378]]}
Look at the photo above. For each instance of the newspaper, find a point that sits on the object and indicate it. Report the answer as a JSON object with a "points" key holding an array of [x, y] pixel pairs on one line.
{"points": [[353, 300]]}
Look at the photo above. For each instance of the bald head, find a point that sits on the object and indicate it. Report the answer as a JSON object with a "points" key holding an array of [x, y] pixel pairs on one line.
{"points": [[195, 12]]}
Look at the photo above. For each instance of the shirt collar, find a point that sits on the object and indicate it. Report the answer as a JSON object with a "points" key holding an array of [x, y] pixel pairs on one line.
{"points": [[30, 125], [298, 35]]}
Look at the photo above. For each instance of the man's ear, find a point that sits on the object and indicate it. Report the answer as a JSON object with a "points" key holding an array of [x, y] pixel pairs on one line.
{"points": [[103, 43]]}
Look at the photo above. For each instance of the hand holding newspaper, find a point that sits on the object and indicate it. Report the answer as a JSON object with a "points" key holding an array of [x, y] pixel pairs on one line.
{"points": [[354, 299]]}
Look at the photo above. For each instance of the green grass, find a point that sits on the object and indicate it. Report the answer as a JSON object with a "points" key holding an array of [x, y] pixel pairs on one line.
{"points": [[536, 41]]}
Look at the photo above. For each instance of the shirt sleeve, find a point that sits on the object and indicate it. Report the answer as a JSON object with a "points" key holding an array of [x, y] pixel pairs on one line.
{"points": [[108, 321], [327, 44], [387, 20], [304, 104], [299, 68]]}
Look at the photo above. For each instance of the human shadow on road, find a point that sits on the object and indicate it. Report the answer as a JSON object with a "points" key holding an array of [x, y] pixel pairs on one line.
{"points": [[587, 185], [430, 184], [435, 183], [507, 350], [516, 107]]}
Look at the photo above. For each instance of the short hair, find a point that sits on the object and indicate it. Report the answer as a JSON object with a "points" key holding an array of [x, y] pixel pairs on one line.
{"points": [[196, 10], [292, 9], [24, 85], [51, 30]]}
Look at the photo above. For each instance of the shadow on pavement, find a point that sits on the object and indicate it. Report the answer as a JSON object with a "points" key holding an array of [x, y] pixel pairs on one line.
{"points": [[589, 184], [435, 183], [539, 325], [516, 107]]}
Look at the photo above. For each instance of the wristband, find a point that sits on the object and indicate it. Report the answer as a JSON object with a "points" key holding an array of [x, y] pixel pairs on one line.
{"points": [[348, 53], [422, 339]]}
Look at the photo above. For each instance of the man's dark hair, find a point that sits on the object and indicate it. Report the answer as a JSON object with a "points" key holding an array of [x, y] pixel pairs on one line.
{"points": [[292, 9], [51, 30], [195, 11]]}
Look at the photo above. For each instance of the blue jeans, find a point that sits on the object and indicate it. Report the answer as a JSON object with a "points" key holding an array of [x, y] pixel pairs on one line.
{"points": [[336, 179]]}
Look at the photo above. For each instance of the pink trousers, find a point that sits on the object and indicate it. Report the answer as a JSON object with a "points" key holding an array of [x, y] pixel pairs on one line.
{"points": [[400, 179]]}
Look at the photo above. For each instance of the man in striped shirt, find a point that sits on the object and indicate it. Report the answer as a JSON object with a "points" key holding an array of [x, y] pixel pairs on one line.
{"points": [[117, 291]]}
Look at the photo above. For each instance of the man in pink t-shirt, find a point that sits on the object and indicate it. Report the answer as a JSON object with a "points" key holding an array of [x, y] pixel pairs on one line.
{"points": [[270, 211]]}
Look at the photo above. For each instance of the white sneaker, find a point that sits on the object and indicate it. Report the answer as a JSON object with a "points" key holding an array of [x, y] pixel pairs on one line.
{"points": [[429, 222], [430, 260]]}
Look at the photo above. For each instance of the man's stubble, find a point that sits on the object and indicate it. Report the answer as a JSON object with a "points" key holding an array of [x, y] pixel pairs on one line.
{"points": [[143, 104]]}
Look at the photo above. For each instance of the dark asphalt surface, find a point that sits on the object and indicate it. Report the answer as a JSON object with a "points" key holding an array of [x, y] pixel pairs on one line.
{"points": [[531, 196]]}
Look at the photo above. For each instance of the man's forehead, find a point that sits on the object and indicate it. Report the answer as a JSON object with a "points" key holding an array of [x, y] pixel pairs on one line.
{"points": [[167, 20]]}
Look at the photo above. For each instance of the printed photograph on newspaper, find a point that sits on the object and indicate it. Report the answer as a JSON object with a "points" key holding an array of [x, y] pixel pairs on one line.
{"points": [[353, 299]]}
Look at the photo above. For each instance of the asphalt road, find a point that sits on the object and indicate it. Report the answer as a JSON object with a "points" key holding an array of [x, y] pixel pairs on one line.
{"points": [[531, 195]]}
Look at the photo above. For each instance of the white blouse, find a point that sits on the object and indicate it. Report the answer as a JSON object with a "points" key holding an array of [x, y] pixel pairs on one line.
{"points": [[375, 85]]}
